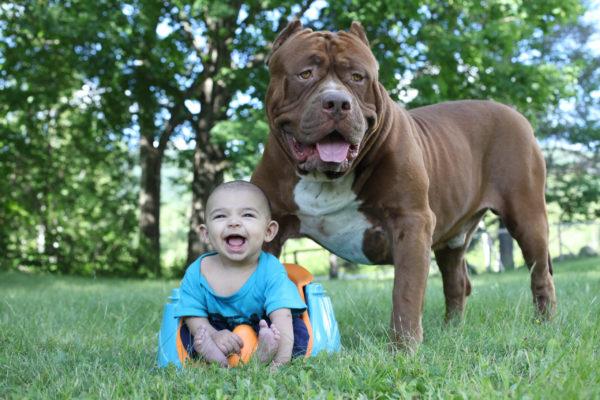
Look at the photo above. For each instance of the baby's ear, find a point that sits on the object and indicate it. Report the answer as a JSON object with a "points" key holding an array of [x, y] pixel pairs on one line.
{"points": [[272, 229], [204, 233]]}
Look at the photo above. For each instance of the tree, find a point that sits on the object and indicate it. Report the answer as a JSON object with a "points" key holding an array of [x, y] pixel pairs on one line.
{"points": [[63, 201], [150, 63], [572, 128]]}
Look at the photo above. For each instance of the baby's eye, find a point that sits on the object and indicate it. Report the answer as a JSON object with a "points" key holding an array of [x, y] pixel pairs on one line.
{"points": [[218, 216], [248, 215]]}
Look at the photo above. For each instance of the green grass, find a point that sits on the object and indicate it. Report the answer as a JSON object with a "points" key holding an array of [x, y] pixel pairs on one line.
{"points": [[63, 337]]}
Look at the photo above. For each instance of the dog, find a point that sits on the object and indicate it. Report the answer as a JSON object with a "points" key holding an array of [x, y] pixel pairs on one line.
{"points": [[377, 184]]}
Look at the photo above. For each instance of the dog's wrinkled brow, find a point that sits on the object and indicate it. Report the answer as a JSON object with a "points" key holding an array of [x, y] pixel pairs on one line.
{"points": [[316, 59]]}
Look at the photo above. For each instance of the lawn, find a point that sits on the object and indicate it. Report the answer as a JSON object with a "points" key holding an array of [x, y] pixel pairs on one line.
{"points": [[65, 337]]}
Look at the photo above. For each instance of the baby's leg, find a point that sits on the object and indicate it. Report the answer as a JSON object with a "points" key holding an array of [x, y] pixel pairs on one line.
{"points": [[206, 347], [268, 341], [301, 337]]}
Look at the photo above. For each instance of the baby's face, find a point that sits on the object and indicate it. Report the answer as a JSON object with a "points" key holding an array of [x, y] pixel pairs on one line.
{"points": [[237, 224]]}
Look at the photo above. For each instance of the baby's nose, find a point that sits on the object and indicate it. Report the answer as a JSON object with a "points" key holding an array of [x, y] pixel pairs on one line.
{"points": [[233, 221]]}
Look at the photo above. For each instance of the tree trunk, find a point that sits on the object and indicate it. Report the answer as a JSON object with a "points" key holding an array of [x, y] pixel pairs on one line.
{"points": [[208, 173], [214, 96], [559, 237], [149, 202], [334, 268], [505, 244], [4, 263]]}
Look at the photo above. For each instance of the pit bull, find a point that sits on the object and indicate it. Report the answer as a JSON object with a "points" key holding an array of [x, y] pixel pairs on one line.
{"points": [[377, 184]]}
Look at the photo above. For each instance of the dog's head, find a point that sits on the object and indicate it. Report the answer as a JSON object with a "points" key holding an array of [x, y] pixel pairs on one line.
{"points": [[323, 97]]}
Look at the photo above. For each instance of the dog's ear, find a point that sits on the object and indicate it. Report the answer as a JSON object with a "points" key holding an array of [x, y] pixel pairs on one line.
{"points": [[357, 29], [291, 28]]}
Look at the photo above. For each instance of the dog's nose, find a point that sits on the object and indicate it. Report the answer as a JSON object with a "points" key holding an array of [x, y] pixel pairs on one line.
{"points": [[336, 103]]}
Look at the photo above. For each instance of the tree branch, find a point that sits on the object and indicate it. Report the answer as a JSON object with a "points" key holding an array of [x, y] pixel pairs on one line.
{"points": [[189, 33], [179, 113], [283, 21]]}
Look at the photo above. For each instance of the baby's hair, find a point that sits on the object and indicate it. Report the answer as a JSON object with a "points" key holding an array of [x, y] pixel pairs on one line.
{"points": [[240, 184]]}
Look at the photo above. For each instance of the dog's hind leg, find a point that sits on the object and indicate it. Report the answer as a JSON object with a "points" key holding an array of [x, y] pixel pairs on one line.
{"points": [[528, 225], [455, 278], [516, 193]]}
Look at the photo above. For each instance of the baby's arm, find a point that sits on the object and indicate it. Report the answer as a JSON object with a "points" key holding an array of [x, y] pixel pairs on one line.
{"points": [[282, 319]]}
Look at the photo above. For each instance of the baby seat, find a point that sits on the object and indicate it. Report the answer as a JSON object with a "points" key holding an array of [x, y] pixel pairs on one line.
{"points": [[319, 319]]}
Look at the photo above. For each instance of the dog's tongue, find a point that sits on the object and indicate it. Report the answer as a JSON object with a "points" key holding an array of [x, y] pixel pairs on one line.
{"points": [[335, 150]]}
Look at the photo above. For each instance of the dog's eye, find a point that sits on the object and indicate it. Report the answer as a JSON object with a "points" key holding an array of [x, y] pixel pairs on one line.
{"points": [[305, 74], [356, 77]]}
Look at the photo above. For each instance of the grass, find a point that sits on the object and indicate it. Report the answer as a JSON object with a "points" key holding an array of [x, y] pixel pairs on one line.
{"points": [[64, 337]]}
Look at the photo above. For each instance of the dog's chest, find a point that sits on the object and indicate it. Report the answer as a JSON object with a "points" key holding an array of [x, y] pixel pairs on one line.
{"points": [[328, 213]]}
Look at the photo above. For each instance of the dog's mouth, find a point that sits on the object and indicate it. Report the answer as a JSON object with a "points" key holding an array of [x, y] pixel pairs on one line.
{"points": [[333, 148]]}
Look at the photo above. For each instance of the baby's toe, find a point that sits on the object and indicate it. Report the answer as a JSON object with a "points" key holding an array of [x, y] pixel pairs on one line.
{"points": [[274, 329]]}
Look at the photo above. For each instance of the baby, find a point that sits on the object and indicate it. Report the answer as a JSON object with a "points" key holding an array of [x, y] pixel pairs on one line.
{"points": [[239, 284]]}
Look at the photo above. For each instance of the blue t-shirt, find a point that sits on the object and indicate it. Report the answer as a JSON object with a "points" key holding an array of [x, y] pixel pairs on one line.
{"points": [[266, 290]]}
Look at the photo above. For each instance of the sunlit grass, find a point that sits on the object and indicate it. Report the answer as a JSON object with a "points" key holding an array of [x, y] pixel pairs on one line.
{"points": [[63, 337]]}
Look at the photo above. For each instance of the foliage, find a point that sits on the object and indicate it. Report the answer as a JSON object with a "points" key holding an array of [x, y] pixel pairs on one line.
{"points": [[576, 119], [242, 140], [65, 202], [572, 128], [573, 181], [500, 350], [465, 49]]}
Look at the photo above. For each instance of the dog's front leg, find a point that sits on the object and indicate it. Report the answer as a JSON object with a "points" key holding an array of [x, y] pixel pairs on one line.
{"points": [[411, 238]]}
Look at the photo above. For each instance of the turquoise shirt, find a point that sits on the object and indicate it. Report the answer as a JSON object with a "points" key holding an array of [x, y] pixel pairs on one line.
{"points": [[266, 290]]}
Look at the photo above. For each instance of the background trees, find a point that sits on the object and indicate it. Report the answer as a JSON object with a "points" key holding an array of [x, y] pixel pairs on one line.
{"points": [[65, 201], [573, 157], [93, 95]]}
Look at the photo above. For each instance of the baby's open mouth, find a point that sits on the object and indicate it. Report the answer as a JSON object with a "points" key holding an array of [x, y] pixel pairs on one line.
{"points": [[235, 241]]}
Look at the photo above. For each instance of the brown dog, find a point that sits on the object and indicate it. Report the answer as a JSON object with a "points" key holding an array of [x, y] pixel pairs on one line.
{"points": [[374, 183]]}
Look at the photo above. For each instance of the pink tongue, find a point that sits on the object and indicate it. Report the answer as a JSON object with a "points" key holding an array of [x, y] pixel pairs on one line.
{"points": [[333, 151], [235, 241]]}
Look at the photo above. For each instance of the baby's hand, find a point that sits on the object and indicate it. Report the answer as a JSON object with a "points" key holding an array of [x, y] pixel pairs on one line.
{"points": [[228, 342]]}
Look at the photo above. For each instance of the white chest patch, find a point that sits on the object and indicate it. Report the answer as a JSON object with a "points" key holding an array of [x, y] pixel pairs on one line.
{"points": [[328, 213]]}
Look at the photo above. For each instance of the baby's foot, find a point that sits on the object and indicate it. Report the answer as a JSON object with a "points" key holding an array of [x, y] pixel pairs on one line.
{"points": [[268, 341], [206, 347]]}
